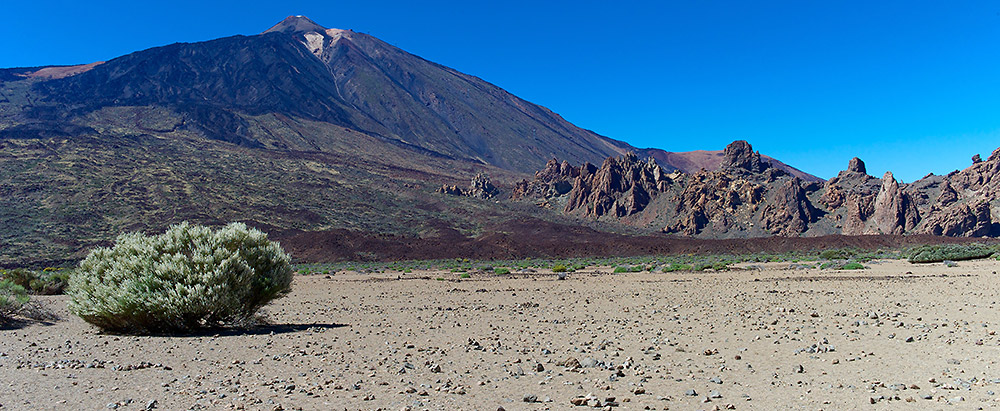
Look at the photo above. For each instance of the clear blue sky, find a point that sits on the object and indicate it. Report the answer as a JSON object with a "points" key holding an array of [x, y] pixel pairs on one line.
{"points": [[908, 86]]}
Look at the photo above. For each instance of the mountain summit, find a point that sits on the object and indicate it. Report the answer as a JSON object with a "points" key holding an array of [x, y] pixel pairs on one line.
{"points": [[296, 24]]}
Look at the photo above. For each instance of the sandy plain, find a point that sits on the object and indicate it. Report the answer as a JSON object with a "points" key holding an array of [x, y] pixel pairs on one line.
{"points": [[894, 336]]}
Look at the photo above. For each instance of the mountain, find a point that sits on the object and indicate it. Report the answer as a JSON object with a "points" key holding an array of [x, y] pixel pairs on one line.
{"points": [[750, 197], [304, 71], [300, 129], [340, 77]]}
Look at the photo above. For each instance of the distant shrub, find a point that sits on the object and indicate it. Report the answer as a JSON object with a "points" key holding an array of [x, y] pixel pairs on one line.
{"points": [[676, 267], [852, 266], [501, 271], [465, 275], [621, 270], [953, 252], [49, 281], [187, 278], [12, 298], [717, 266]]}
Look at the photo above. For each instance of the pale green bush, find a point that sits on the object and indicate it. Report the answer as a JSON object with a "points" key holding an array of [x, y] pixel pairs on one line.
{"points": [[187, 278], [12, 298]]}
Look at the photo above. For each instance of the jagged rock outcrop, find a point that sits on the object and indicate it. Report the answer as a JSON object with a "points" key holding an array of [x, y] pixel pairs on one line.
{"points": [[856, 166], [620, 187], [960, 220], [948, 195], [555, 179], [789, 212], [739, 155], [716, 197], [745, 197], [894, 211], [479, 187]]}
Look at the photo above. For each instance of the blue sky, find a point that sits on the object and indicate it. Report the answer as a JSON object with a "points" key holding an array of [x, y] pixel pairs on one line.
{"points": [[908, 86]]}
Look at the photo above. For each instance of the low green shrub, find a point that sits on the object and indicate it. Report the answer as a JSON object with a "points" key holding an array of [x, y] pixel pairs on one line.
{"points": [[852, 266], [954, 252], [676, 267], [559, 268], [50, 281], [187, 278], [717, 266], [501, 271], [12, 298], [465, 275]]}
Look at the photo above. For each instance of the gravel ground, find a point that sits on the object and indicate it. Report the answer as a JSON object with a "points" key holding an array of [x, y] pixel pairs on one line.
{"points": [[895, 335]]}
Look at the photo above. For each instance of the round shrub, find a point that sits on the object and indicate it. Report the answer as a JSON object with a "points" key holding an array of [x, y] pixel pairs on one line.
{"points": [[187, 278]]}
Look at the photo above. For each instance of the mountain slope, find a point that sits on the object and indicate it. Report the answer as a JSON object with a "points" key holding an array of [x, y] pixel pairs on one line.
{"points": [[336, 76]]}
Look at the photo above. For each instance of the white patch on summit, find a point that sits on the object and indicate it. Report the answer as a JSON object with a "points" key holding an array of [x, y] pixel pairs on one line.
{"points": [[314, 42]]}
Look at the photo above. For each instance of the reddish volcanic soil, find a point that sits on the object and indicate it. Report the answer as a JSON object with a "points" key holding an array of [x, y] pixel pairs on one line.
{"points": [[536, 238]]}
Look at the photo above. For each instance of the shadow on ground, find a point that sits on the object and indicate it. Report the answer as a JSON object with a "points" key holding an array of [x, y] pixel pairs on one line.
{"points": [[262, 329]]}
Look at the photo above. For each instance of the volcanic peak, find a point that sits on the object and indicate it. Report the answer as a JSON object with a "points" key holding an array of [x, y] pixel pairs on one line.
{"points": [[296, 24]]}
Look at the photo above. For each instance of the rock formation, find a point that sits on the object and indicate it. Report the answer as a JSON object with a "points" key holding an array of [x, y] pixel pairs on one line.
{"points": [[740, 155], [746, 197], [789, 212], [893, 212], [479, 187]]}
